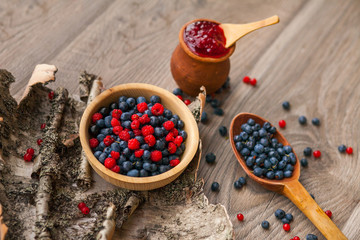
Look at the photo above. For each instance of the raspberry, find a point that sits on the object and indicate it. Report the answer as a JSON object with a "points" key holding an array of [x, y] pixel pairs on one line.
{"points": [[133, 144], [349, 150], [286, 227], [30, 151], [144, 119], [175, 132], [115, 122], [253, 81], [109, 163], [51, 95], [135, 124], [240, 217], [124, 135], [116, 169], [93, 142], [329, 213], [96, 117], [171, 147], [115, 155], [85, 210], [137, 132], [134, 117], [28, 157], [141, 107], [174, 162], [139, 153], [246, 79], [150, 140], [180, 97], [116, 113], [43, 126], [169, 137], [147, 130], [187, 102], [117, 130], [282, 123], [178, 140], [168, 125], [156, 156], [157, 109], [39, 141], [81, 205], [108, 140], [317, 154]]}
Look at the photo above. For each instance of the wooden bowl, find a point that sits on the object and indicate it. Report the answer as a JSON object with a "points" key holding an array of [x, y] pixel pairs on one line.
{"points": [[169, 101]]}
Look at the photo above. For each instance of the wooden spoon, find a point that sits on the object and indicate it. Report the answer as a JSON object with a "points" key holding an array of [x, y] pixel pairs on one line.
{"points": [[289, 187], [234, 32]]}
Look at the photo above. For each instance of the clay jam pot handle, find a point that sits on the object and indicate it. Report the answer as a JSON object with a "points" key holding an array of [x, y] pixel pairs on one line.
{"points": [[191, 71]]}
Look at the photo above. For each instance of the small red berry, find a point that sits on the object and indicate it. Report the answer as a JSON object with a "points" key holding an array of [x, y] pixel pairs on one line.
{"points": [[124, 135], [115, 155], [109, 163], [141, 107], [30, 151], [317, 154], [139, 153], [174, 162], [157, 109], [96, 117], [180, 97], [43, 125], [329, 213], [115, 122], [133, 144], [108, 140], [246, 79], [81, 205], [168, 125], [134, 117], [137, 132], [178, 140], [51, 95], [117, 130], [169, 137], [147, 130], [175, 132], [28, 157], [296, 238], [282, 123], [116, 113], [39, 141], [150, 140], [286, 227], [144, 119], [135, 124], [187, 102], [172, 147], [93, 142], [85, 210], [253, 81], [156, 156], [349, 150], [240, 217], [116, 168]]}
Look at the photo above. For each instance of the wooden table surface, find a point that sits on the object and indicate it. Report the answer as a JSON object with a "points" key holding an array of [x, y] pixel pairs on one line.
{"points": [[311, 58]]}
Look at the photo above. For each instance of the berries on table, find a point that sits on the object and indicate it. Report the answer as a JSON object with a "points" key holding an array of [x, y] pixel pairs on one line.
{"points": [[329, 213], [280, 214], [237, 185], [315, 121], [178, 91], [304, 162], [43, 125], [210, 158], [242, 180], [282, 123], [265, 224], [28, 157], [311, 237], [39, 141], [51, 95], [286, 227], [215, 186], [285, 220], [204, 117], [302, 120], [223, 131], [187, 102], [30, 151], [180, 97], [349, 150], [218, 111], [240, 217], [253, 81], [307, 151], [246, 79], [342, 148], [81, 205], [85, 210], [286, 105], [289, 216], [317, 154], [296, 238]]}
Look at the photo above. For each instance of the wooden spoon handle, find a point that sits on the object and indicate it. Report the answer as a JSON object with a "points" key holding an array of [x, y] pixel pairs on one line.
{"points": [[302, 199]]}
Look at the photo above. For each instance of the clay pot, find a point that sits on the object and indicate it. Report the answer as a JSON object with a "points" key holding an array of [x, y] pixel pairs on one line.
{"points": [[191, 71]]}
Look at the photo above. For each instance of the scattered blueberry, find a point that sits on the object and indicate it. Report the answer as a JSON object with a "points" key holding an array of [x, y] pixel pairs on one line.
{"points": [[223, 131], [285, 220], [237, 185], [289, 216], [311, 237], [302, 120], [242, 180], [279, 214], [178, 91], [307, 151], [218, 111], [215, 186], [204, 117], [215, 103], [342, 148], [286, 105], [304, 162], [210, 158], [265, 224], [315, 121]]}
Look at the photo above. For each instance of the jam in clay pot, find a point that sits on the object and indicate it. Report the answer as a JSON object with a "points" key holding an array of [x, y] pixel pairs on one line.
{"points": [[200, 59]]}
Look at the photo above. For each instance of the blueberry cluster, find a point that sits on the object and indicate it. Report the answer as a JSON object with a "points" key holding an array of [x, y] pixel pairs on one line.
{"points": [[136, 137], [263, 153], [284, 217], [240, 183]]}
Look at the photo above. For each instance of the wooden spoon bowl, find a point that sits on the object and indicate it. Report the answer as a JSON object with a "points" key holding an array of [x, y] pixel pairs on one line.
{"points": [[290, 187], [169, 101]]}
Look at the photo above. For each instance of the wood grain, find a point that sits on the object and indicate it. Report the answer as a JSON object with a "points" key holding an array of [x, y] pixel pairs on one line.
{"points": [[311, 58]]}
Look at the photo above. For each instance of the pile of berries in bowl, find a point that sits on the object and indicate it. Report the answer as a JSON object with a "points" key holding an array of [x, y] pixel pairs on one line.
{"points": [[138, 136]]}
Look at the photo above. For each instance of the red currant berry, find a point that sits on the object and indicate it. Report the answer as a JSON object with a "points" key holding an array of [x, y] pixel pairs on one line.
{"points": [[329, 213], [349, 150], [30, 151], [317, 154], [81, 205], [282, 123], [169, 137], [85, 210], [108, 140], [187, 102], [296, 238], [286, 227], [51, 95], [240, 217], [246, 79], [180, 97], [39, 141], [43, 125], [253, 81], [28, 157], [137, 132]]}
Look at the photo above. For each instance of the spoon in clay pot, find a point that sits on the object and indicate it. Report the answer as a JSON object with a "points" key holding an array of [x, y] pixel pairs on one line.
{"points": [[289, 187], [234, 32]]}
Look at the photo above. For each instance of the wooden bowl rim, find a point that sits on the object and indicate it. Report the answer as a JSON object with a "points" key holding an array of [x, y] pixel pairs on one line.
{"points": [[192, 140], [193, 55], [296, 172]]}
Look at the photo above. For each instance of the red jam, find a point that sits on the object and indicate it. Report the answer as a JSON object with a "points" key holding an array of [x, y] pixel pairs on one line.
{"points": [[206, 39]]}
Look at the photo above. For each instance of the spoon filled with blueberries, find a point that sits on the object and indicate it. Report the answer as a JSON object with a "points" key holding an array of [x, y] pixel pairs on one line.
{"points": [[268, 158]]}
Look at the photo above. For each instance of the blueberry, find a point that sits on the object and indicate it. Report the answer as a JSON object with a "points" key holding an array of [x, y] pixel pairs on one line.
{"points": [[223, 131], [183, 134], [315, 121], [158, 132], [122, 99], [302, 120], [244, 136], [226, 84], [155, 173], [286, 159], [267, 164], [104, 111], [145, 146], [311, 237], [106, 131], [125, 116], [138, 165], [123, 145], [127, 166], [126, 152], [289, 217], [289, 167], [259, 161], [258, 172], [267, 126], [251, 122], [133, 173], [165, 161], [167, 113], [238, 146], [262, 132], [242, 180], [287, 174], [204, 117], [155, 99], [342, 148], [153, 167], [287, 149], [307, 151], [279, 175], [148, 112], [285, 220], [250, 162], [126, 124], [270, 175], [273, 161], [123, 106], [256, 134], [100, 123], [101, 137], [210, 158], [248, 129], [265, 224], [97, 154], [140, 100], [282, 164], [215, 103], [121, 160], [259, 148], [279, 214], [179, 151], [215, 186], [132, 158], [115, 147], [280, 151], [178, 91], [165, 153], [237, 138], [143, 173], [245, 152], [102, 157], [160, 145], [237, 185], [180, 124], [101, 146], [154, 121], [146, 166], [218, 111], [286, 105], [292, 158], [113, 106], [94, 130], [272, 130], [304, 162]]}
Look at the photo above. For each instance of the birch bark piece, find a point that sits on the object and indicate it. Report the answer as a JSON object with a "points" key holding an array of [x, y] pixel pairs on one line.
{"points": [[197, 106], [109, 224]]}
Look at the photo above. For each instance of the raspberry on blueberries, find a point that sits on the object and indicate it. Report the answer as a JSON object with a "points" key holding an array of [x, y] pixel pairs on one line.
{"points": [[147, 130], [124, 135], [108, 140], [150, 140], [157, 109], [116, 168], [174, 162], [133, 144], [109, 163], [115, 155], [116, 113], [178, 140], [117, 130], [96, 117], [115, 122], [156, 156], [168, 125], [139, 153], [93, 142], [172, 147], [141, 107]]}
